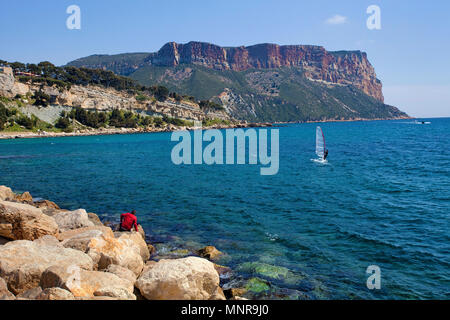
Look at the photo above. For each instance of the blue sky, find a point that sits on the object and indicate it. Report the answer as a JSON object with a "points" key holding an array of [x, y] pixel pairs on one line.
{"points": [[410, 53]]}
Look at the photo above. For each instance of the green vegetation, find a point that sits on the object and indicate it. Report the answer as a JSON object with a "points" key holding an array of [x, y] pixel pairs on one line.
{"points": [[41, 99], [177, 122], [116, 118], [212, 122], [13, 120], [142, 97], [63, 78], [206, 104], [283, 94], [4, 115]]}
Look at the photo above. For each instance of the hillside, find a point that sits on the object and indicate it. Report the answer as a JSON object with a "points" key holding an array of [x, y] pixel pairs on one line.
{"points": [[264, 82], [44, 97]]}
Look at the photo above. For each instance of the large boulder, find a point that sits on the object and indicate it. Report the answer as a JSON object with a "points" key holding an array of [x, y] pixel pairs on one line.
{"points": [[122, 272], [48, 240], [68, 220], [85, 283], [105, 250], [136, 239], [24, 222], [6, 194], [189, 278], [23, 262], [79, 238], [65, 235]]}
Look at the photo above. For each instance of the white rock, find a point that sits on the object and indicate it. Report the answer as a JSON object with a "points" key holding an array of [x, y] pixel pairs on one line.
{"points": [[22, 262], [68, 220], [20, 221], [124, 252], [85, 283], [189, 278], [55, 294]]}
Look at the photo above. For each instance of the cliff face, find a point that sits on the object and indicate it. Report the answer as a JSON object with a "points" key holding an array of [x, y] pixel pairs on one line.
{"points": [[264, 82], [318, 64], [104, 99], [343, 67]]}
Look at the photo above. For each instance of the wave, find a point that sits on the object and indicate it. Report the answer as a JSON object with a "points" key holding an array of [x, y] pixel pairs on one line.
{"points": [[20, 156]]}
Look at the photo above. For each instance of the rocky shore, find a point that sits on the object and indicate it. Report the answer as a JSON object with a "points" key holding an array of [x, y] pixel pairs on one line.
{"points": [[113, 131], [48, 253]]}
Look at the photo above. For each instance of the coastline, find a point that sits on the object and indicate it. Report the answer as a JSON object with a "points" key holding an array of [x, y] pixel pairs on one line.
{"points": [[345, 120], [40, 243], [170, 128], [103, 131]]}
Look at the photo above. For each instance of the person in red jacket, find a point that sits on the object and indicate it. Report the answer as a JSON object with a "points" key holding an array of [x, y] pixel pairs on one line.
{"points": [[128, 221]]}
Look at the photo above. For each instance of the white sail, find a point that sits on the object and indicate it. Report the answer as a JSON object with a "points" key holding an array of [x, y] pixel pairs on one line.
{"points": [[320, 143]]}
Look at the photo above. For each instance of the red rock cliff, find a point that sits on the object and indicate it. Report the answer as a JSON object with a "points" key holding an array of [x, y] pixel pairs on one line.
{"points": [[342, 67]]}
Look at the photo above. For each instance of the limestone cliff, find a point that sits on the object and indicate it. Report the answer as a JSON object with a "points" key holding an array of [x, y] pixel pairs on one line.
{"points": [[99, 98]]}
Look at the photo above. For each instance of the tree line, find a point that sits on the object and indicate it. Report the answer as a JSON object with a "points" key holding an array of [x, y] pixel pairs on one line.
{"points": [[116, 118]]}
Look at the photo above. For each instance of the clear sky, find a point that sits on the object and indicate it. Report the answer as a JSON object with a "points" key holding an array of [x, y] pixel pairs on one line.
{"points": [[410, 53]]}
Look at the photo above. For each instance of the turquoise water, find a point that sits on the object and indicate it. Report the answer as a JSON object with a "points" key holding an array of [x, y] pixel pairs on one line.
{"points": [[309, 232]]}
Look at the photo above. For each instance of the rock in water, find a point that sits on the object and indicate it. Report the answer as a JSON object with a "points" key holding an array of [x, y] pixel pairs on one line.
{"points": [[88, 283], [23, 262], [24, 222], [68, 220], [189, 278], [209, 252]]}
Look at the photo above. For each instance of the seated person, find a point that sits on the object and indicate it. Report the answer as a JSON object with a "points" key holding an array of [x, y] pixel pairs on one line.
{"points": [[128, 221]]}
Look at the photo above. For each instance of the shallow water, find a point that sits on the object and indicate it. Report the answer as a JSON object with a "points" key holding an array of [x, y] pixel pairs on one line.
{"points": [[309, 232]]}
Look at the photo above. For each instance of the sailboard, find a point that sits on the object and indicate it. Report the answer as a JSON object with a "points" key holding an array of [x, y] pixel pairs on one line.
{"points": [[320, 145]]}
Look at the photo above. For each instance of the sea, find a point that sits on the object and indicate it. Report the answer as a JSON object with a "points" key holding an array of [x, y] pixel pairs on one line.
{"points": [[379, 208]]}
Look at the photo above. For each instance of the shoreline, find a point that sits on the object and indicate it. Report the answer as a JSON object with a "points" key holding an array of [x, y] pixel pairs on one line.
{"points": [[115, 131], [41, 241], [345, 120], [171, 128]]}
